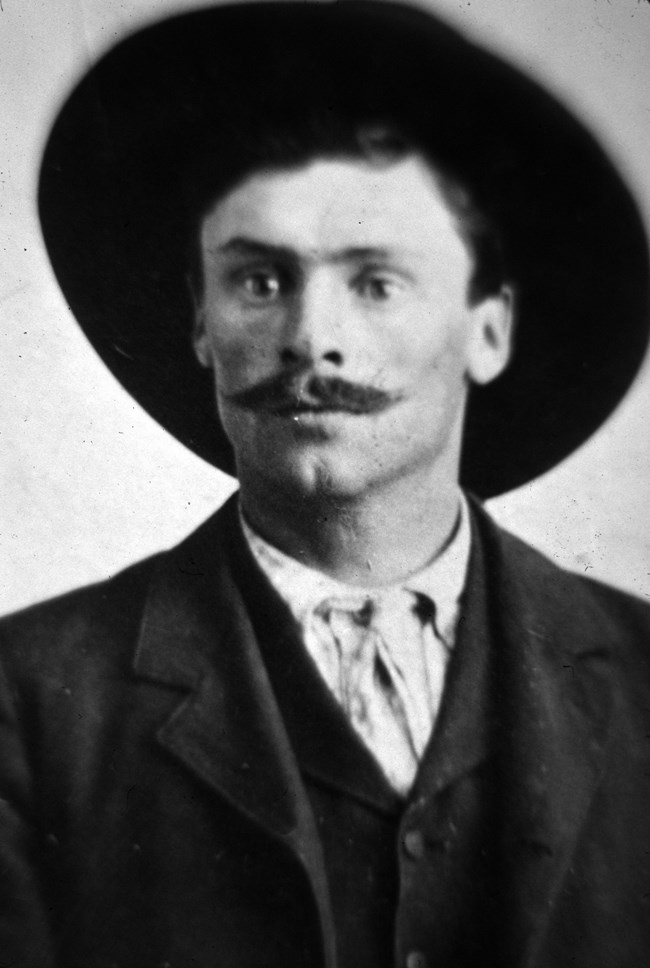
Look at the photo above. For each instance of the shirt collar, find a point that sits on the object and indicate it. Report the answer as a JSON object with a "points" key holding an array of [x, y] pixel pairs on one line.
{"points": [[303, 588]]}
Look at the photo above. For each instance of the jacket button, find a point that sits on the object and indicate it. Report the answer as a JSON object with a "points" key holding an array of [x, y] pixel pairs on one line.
{"points": [[414, 844], [415, 959]]}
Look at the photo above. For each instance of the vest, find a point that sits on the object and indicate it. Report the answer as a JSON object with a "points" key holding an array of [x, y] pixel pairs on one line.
{"points": [[413, 882]]}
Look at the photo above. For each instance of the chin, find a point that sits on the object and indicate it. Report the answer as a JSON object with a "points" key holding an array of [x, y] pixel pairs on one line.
{"points": [[305, 473], [335, 476], [319, 475], [332, 481]]}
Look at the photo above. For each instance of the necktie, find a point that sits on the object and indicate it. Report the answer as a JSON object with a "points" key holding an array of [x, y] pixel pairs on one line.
{"points": [[382, 676]]}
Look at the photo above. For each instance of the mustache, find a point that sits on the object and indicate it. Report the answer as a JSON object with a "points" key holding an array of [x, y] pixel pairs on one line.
{"points": [[284, 394]]}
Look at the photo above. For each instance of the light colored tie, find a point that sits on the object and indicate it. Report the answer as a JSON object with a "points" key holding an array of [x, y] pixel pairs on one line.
{"points": [[384, 677]]}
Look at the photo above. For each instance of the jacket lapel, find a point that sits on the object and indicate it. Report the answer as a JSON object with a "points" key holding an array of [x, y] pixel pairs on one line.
{"points": [[196, 637], [554, 699]]}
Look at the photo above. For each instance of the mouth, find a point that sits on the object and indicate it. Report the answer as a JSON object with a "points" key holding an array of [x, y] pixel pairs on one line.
{"points": [[301, 408]]}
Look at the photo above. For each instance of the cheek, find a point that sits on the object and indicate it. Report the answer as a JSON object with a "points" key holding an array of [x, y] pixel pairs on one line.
{"points": [[240, 354], [430, 347]]}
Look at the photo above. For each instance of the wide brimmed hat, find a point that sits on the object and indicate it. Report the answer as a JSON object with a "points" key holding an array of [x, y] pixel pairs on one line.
{"points": [[119, 214]]}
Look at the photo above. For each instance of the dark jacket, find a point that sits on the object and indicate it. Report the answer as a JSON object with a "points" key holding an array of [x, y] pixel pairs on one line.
{"points": [[153, 815]]}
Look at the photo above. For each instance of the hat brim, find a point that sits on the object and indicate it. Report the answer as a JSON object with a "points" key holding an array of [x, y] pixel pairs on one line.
{"points": [[117, 226]]}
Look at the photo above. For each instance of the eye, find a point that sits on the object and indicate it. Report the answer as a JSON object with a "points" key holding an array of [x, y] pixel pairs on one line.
{"points": [[260, 285], [378, 286]]}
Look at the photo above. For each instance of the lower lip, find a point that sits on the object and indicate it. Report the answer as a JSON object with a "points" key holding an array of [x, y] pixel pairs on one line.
{"points": [[315, 413], [319, 421], [308, 418]]}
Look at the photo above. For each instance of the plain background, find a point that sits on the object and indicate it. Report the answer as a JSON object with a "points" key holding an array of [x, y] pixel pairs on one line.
{"points": [[91, 483]]}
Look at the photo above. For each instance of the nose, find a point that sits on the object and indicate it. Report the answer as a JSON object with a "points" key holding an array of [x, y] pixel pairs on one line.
{"points": [[313, 334]]}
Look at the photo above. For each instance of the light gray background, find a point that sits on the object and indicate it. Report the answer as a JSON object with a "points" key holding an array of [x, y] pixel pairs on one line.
{"points": [[90, 483]]}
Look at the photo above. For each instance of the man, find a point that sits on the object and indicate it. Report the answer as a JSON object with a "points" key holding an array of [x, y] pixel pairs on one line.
{"points": [[348, 721]]}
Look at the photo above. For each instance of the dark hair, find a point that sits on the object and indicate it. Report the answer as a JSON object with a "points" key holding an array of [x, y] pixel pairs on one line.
{"points": [[380, 145]]}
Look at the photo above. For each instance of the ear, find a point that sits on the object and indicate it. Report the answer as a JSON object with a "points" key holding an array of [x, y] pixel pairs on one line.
{"points": [[200, 340], [491, 336]]}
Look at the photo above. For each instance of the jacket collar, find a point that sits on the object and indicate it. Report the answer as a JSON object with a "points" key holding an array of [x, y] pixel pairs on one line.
{"points": [[554, 699]]}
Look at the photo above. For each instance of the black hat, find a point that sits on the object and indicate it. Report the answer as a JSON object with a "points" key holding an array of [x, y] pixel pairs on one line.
{"points": [[119, 214]]}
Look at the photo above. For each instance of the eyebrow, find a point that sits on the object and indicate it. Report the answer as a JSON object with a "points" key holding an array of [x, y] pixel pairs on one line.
{"points": [[243, 245]]}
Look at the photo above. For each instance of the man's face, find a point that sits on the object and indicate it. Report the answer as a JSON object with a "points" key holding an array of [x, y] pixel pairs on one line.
{"points": [[335, 317]]}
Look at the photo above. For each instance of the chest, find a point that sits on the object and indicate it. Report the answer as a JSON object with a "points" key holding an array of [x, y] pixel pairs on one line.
{"points": [[408, 878]]}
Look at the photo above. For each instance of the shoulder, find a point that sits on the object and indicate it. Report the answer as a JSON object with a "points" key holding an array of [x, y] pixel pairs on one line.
{"points": [[92, 621], [583, 606], [97, 626], [531, 562]]}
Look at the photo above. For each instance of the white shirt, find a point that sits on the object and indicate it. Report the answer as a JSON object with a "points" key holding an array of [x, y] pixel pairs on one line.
{"points": [[415, 645]]}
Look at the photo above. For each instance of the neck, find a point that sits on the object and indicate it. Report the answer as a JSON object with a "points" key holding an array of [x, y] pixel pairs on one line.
{"points": [[379, 538]]}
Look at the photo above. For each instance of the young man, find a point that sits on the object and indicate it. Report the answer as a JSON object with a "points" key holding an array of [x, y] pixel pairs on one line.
{"points": [[348, 721]]}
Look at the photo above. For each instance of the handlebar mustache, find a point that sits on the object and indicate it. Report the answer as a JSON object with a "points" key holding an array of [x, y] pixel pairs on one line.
{"points": [[288, 394]]}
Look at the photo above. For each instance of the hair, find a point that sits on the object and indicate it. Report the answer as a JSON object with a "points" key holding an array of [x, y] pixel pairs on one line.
{"points": [[379, 145]]}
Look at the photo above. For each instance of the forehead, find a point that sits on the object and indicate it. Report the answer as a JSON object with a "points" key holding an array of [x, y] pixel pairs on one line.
{"points": [[329, 205]]}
